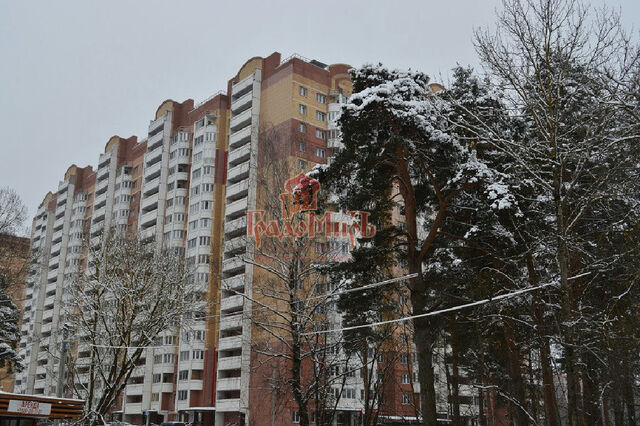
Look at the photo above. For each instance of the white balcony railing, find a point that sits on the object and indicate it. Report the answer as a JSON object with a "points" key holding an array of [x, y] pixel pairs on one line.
{"points": [[233, 283], [240, 138], [239, 155], [241, 120], [237, 173], [242, 102]]}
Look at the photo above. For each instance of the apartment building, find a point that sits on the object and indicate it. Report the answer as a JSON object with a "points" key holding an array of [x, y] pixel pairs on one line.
{"points": [[189, 185]]}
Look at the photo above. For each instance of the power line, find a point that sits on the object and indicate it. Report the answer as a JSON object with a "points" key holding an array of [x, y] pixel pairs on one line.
{"points": [[432, 313]]}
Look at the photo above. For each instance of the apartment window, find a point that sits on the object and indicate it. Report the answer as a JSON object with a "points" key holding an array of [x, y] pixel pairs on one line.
{"points": [[198, 335], [206, 205], [207, 170], [302, 109], [196, 173], [170, 202], [193, 225], [194, 208], [205, 223], [321, 98], [157, 378], [168, 358], [303, 91], [192, 243], [179, 217], [205, 241], [406, 399], [302, 164], [180, 200], [207, 187], [203, 258], [295, 417], [183, 375], [182, 395], [321, 134], [320, 152], [302, 128], [178, 234], [321, 116], [184, 356], [404, 379], [404, 359], [198, 141], [302, 146], [349, 393], [198, 354], [157, 359], [155, 397], [169, 340]]}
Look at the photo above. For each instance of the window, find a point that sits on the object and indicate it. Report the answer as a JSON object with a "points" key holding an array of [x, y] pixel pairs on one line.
{"points": [[404, 359], [205, 223], [195, 190], [198, 354], [207, 170], [198, 335], [321, 116], [320, 152], [321, 134], [183, 375], [404, 379], [349, 393], [406, 399], [206, 205], [303, 91], [182, 395], [207, 187], [203, 258], [193, 225], [192, 243], [302, 164], [155, 397], [196, 173], [302, 128], [321, 98], [184, 355], [302, 109], [295, 417], [157, 378]]}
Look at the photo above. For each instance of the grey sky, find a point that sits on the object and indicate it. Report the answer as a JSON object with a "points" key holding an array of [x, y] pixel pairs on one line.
{"points": [[74, 73]]}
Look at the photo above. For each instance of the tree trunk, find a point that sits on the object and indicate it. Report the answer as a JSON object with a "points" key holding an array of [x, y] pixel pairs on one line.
{"points": [[424, 340], [552, 414], [628, 390], [515, 374], [455, 388]]}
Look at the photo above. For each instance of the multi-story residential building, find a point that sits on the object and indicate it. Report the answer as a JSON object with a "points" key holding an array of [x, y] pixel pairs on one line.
{"points": [[190, 185]]}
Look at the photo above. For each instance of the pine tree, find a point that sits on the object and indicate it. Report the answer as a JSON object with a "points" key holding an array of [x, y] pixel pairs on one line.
{"points": [[401, 146]]}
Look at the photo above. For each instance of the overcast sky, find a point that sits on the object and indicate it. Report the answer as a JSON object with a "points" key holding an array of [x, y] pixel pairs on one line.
{"points": [[75, 73]]}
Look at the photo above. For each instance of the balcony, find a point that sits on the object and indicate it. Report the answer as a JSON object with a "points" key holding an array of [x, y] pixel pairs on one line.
{"points": [[235, 245], [240, 138], [237, 190], [133, 408], [236, 208], [242, 87], [227, 405], [233, 282], [243, 102], [154, 141], [150, 202], [135, 389], [55, 249], [237, 173], [241, 120], [335, 143], [148, 218], [231, 383], [53, 274], [156, 125], [239, 155], [230, 363], [232, 303], [153, 170], [229, 323], [235, 264], [228, 343], [148, 233], [151, 187], [235, 227]]}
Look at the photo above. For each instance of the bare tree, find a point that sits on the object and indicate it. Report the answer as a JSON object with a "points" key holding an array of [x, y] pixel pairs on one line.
{"points": [[571, 73], [127, 294], [291, 297], [13, 265], [13, 212]]}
